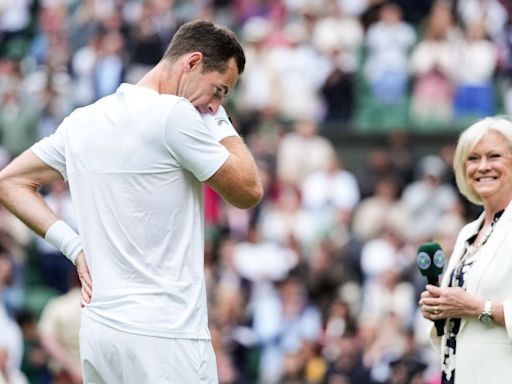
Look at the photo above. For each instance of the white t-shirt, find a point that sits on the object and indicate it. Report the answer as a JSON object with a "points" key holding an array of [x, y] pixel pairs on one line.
{"points": [[135, 161]]}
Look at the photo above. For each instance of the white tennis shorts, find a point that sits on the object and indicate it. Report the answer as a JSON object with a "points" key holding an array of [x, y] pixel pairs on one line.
{"points": [[110, 356]]}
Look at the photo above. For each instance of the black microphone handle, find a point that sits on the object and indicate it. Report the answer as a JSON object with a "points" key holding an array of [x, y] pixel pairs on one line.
{"points": [[433, 280], [439, 324]]}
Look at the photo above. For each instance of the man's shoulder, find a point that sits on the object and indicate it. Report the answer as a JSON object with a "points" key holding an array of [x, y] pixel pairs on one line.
{"points": [[136, 96], [130, 100]]}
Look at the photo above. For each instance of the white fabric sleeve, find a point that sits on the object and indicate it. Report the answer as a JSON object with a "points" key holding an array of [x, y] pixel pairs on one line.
{"points": [[190, 142], [219, 124], [52, 151], [62, 237]]}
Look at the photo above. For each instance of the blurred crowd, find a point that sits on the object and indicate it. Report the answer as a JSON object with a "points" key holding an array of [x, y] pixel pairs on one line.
{"points": [[318, 284]]}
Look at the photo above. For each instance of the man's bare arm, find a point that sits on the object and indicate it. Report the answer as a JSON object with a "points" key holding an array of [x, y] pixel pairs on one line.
{"points": [[19, 184], [238, 180]]}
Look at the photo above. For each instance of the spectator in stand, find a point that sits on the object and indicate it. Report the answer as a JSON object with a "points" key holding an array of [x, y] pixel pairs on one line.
{"points": [[18, 119], [477, 60], [50, 42], [491, 14], [387, 252], [339, 322], [338, 93], [283, 323], [325, 274], [35, 359], [151, 31], [388, 42], [11, 339], [302, 152], [378, 211], [339, 34], [262, 261], [83, 61], [260, 86], [347, 366], [403, 156], [433, 67], [339, 37], [378, 165], [329, 193], [54, 107], [59, 326], [14, 22], [354, 8], [427, 199], [286, 221], [384, 341], [302, 71], [110, 67]]}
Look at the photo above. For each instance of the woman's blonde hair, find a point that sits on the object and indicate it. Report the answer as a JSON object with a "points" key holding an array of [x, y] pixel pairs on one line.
{"points": [[467, 141]]}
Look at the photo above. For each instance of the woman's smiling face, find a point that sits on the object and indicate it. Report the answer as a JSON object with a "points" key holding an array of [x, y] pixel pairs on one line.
{"points": [[489, 169]]}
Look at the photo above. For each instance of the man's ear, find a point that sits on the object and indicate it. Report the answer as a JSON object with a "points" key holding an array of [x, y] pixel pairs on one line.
{"points": [[194, 60]]}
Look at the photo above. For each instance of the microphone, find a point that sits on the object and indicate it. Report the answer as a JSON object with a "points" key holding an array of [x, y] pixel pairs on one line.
{"points": [[430, 261]]}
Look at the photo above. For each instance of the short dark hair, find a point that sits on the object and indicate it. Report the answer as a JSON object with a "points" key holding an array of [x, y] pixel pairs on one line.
{"points": [[217, 44]]}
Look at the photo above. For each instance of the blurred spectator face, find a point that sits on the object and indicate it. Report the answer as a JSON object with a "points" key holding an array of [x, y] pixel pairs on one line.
{"points": [[339, 309], [228, 307], [349, 355], [112, 43], [390, 14], [292, 296], [289, 199], [432, 169], [295, 33], [162, 5], [10, 94], [226, 254], [386, 189], [379, 159], [111, 21], [334, 165], [305, 128], [256, 30], [440, 20], [476, 32], [8, 68]]}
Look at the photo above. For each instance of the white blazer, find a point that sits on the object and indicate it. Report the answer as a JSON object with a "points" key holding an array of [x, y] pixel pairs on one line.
{"points": [[484, 354]]}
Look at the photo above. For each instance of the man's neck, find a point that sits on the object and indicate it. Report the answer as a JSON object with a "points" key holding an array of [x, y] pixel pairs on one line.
{"points": [[160, 79]]}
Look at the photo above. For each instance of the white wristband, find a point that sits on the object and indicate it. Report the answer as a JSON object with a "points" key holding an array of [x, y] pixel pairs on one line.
{"points": [[61, 236], [219, 124]]}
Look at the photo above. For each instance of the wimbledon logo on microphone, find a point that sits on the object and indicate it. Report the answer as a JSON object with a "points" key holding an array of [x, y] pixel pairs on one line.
{"points": [[439, 259], [423, 261]]}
